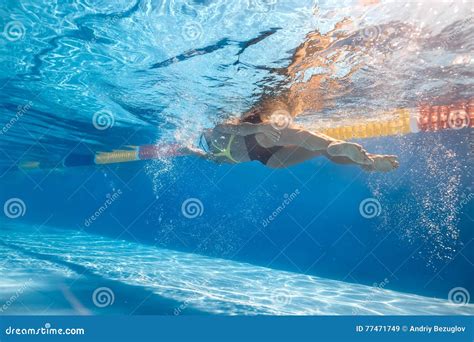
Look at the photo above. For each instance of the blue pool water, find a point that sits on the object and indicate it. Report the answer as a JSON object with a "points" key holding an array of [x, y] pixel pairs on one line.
{"points": [[168, 69]]}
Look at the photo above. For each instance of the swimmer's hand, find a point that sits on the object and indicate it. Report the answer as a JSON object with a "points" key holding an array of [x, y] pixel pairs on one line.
{"points": [[268, 130]]}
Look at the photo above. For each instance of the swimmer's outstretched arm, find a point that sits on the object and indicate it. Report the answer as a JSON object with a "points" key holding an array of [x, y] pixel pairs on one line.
{"points": [[193, 151]]}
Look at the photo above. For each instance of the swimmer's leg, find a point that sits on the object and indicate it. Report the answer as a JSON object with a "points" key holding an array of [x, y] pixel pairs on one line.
{"points": [[293, 155], [314, 141], [353, 151], [288, 156], [382, 162]]}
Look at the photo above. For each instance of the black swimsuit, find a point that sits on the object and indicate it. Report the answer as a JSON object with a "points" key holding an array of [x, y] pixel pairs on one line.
{"points": [[254, 149]]}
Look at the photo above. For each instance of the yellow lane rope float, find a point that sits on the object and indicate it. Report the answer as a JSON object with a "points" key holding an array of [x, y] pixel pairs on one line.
{"points": [[424, 118], [399, 125]]}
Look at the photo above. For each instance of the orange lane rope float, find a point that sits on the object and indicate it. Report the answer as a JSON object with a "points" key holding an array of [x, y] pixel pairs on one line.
{"points": [[424, 118]]}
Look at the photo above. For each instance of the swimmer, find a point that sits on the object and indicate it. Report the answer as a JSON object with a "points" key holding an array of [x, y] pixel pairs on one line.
{"points": [[257, 137], [266, 132]]}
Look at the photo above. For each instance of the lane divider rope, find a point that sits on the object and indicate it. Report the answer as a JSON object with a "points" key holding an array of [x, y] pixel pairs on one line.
{"points": [[424, 118]]}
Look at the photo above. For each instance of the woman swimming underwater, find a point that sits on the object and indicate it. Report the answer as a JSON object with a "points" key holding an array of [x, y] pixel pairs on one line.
{"points": [[266, 132], [258, 137]]}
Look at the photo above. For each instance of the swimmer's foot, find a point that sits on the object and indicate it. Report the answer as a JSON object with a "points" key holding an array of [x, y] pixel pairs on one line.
{"points": [[383, 163], [353, 151]]}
